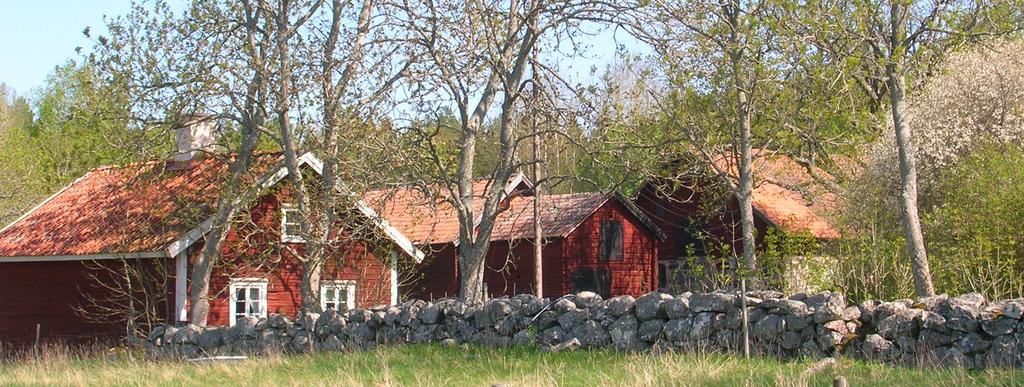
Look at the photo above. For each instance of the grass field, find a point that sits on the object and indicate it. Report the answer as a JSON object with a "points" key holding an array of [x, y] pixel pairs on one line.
{"points": [[472, 366]]}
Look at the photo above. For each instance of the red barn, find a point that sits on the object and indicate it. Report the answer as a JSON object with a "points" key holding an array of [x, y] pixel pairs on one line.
{"points": [[702, 220], [592, 241], [120, 242]]}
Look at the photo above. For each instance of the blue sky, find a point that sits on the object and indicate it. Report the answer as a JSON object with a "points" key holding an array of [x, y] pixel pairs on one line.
{"points": [[39, 35]]}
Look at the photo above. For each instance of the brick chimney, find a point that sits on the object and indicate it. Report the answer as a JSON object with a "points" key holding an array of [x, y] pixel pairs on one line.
{"points": [[195, 134]]}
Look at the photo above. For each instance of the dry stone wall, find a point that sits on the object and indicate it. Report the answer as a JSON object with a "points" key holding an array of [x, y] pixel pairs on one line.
{"points": [[964, 331]]}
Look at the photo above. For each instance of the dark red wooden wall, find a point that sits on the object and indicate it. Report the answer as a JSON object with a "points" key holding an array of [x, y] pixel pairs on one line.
{"points": [[47, 293], [255, 251], [510, 263], [635, 274]]}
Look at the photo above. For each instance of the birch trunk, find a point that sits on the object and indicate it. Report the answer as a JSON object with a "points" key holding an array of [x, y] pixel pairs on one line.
{"points": [[908, 189], [904, 144], [745, 186]]}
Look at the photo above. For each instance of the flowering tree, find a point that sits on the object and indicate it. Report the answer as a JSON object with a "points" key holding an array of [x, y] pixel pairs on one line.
{"points": [[974, 100]]}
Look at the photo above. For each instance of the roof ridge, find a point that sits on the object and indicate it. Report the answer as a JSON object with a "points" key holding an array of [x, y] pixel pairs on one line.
{"points": [[158, 161]]}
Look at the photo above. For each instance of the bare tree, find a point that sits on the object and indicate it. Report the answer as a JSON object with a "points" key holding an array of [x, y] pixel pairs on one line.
{"points": [[338, 61], [211, 61], [729, 50], [477, 54]]}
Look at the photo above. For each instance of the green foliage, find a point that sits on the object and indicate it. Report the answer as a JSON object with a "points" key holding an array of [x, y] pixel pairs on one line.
{"points": [[871, 267], [974, 240], [78, 124], [975, 237], [791, 263]]}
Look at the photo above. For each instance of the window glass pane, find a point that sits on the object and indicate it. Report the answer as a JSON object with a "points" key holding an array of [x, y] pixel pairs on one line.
{"points": [[332, 295], [254, 293], [240, 294], [240, 307]]}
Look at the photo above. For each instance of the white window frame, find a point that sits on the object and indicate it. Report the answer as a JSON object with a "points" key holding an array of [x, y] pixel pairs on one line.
{"points": [[286, 209], [247, 283], [334, 285]]}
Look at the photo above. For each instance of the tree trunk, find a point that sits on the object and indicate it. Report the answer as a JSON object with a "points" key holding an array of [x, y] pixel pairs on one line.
{"points": [[908, 187], [471, 273], [309, 293], [745, 186], [538, 233], [227, 206], [311, 286]]}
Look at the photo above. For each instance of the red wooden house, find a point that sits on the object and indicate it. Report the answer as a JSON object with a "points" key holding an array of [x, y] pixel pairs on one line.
{"points": [[591, 241], [121, 240], [118, 245], [701, 219]]}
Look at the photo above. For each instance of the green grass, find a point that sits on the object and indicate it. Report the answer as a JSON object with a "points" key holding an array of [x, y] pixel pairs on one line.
{"points": [[474, 366]]}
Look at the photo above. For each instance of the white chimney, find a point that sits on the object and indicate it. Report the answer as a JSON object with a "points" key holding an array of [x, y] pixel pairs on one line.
{"points": [[195, 135]]}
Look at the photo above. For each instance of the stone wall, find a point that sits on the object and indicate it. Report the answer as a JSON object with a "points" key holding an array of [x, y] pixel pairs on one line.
{"points": [[963, 331]]}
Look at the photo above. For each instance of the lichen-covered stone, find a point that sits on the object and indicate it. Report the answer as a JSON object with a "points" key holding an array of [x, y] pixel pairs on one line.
{"points": [[620, 305], [827, 306], [904, 322], [712, 302], [960, 331], [650, 330], [649, 306], [677, 308]]}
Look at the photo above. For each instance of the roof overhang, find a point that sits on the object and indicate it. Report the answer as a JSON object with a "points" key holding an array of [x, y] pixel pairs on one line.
{"points": [[86, 257]]}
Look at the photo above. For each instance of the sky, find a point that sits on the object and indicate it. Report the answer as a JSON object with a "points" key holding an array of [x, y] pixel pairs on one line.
{"points": [[41, 34]]}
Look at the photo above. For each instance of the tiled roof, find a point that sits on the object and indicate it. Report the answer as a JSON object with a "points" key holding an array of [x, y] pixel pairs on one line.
{"points": [[434, 221], [140, 207], [426, 219], [786, 194], [559, 215]]}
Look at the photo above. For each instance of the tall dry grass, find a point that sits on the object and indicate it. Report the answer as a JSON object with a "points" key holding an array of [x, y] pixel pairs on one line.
{"points": [[431, 365]]}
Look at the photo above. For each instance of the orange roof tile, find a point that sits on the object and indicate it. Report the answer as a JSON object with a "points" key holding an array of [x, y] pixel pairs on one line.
{"points": [[786, 194], [140, 207], [428, 220]]}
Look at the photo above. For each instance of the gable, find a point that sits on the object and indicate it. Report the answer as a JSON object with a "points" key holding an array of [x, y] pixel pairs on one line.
{"points": [[625, 208]]}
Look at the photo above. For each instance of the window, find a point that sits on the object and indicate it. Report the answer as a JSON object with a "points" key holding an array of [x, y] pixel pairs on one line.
{"points": [[248, 298], [595, 280], [611, 240], [291, 226], [340, 295]]}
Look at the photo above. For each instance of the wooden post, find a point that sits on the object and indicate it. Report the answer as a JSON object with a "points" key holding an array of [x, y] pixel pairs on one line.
{"points": [[36, 347], [743, 315], [538, 239]]}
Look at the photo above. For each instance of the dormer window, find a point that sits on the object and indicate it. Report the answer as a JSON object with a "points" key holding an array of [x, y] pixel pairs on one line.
{"points": [[291, 224]]}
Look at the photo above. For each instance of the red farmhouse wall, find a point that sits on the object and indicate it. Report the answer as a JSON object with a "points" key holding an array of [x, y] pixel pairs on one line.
{"points": [[510, 263]]}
